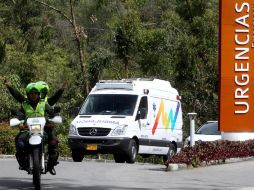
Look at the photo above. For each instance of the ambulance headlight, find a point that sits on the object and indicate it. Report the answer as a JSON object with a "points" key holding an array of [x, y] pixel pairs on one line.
{"points": [[120, 130], [73, 130]]}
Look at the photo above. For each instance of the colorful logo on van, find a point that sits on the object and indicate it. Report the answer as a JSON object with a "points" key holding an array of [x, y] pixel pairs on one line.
{"points": [[167, 118]]}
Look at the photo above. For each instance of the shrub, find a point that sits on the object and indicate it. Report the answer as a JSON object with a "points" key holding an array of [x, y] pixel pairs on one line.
{"points": [[216, 151], [7, 139], [63, 145]]}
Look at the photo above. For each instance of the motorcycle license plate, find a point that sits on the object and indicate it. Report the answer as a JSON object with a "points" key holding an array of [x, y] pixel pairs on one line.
{"points": [[91, 147]]}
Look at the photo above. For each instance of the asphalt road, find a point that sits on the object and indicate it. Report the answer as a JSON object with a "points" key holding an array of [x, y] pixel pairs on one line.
{"points": [[112, 176]]}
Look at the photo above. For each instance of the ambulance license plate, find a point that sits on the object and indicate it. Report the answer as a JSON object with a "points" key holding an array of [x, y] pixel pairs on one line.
{"points": [[91, 147]]}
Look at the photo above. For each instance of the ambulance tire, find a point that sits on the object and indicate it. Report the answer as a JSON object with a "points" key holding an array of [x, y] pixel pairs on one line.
{"points": [[77, 155], [132, 152], [119, 158], [171, 152]]}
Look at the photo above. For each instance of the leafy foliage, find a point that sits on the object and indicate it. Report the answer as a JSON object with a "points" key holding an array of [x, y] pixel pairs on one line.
{"points": [[7, 136], [63, 146], [173, 40]]}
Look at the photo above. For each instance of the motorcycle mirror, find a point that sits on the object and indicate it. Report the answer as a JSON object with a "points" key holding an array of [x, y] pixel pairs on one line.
{"points": [[14, 122], [56, 119]]}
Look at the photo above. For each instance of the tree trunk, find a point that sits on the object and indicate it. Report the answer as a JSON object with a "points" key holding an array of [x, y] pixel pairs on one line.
{"points": [[79, 37], [126, 65]]}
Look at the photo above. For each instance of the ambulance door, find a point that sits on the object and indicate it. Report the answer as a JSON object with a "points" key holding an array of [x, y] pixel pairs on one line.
{"points": [[141, 117]]}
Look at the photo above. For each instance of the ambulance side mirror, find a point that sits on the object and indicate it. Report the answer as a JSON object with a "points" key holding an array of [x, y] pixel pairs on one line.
{"points": [[141, 114]]}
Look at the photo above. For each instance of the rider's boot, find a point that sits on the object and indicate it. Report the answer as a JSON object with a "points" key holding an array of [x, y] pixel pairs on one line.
{"points": [[22, 160], [53, 157], [21, 154]]}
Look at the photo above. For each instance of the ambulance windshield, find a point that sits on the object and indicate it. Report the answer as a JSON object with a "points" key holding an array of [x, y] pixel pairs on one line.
{"points": [[109, 104]]}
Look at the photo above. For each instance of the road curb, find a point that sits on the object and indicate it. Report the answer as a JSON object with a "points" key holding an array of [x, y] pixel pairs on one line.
{"points": [[6, 156], [176, 167], [67, 159]]}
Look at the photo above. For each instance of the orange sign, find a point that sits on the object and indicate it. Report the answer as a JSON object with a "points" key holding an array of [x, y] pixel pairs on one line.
{"points": [[236, 66]]}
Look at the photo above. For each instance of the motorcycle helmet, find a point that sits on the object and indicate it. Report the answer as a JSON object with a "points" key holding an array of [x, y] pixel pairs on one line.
{"points": [[43, 87], [32, 87]]}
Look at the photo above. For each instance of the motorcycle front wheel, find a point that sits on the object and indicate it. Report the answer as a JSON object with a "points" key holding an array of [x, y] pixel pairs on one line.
{"points": [[36, 168]]}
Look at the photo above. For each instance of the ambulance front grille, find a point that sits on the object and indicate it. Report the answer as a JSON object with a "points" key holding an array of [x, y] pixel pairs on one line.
{"points": [[93, 131]]}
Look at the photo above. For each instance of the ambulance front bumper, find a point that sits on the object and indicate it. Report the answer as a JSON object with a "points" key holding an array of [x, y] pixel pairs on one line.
{"points": [[100, 145]]}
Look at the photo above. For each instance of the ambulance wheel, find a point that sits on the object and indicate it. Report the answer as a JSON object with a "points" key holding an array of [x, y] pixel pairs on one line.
{"points": [[171, 152], [132, 152], [77, 155], [119, 158]]}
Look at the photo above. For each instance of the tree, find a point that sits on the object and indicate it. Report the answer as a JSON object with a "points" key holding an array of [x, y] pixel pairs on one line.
{"points": [[80, 38], [197, 57]]}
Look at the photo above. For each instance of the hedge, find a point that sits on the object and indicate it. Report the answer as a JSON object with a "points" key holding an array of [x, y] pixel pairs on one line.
{"points": [[215, 151]]}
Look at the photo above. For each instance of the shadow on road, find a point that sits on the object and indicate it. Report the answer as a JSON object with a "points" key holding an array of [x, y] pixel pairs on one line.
{"points": [[15, 183], [26, 184], [49, 184], [158, 169]]}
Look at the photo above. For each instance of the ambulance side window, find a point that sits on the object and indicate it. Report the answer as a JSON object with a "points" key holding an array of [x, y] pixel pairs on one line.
{"points": [[142, 109]]}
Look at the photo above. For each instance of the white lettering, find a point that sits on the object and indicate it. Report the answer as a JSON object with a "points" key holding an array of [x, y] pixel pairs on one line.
{"points": [[243, 104], [241, 68], [242, 21], [243, 51], [242, 42], [242, 93], [242, 6]]}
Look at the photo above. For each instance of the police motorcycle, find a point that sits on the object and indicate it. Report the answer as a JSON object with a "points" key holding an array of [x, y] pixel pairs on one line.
{"points": [[37, 157]]}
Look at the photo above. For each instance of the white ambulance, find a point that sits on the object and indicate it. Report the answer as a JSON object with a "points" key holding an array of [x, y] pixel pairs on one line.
{"points": [[128, 117]]}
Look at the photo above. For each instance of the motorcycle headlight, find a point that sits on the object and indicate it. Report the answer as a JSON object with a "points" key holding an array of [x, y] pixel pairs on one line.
{"points": [[120, 130], [35, 129], [73, 130]]}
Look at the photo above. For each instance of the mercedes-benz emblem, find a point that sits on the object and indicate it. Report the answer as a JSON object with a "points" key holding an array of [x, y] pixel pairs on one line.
{"points": [[93, 131]]}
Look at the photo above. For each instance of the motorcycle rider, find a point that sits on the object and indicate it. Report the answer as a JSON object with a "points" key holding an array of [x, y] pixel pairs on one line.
{"points": [[33, 106], [49, 128]]}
